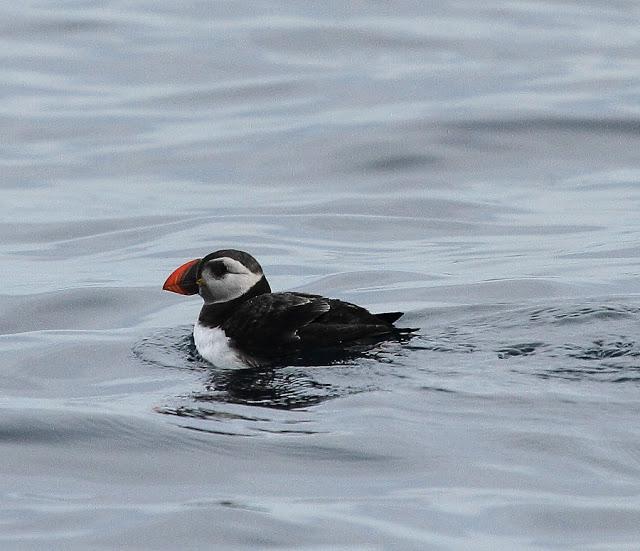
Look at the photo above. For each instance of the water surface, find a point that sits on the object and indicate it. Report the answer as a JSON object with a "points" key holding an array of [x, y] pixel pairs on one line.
{"points": [[475, 166]]}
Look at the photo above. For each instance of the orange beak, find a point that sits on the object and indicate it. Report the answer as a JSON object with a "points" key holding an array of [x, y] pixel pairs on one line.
{"points": [[183, 279]]}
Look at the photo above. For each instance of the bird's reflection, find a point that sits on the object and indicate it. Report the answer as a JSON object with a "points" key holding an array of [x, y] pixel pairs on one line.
{"points": [[292, 383], [285, 383], [266, 387]]}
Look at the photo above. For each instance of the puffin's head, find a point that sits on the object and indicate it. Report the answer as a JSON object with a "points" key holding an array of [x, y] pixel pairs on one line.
{"points": [[218, 277]]}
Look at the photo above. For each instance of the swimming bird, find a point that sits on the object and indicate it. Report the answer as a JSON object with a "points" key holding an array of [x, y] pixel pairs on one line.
{"points": [[242, 323]]}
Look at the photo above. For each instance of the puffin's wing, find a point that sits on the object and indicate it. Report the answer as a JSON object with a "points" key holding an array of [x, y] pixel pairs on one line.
{"points": [[273, 319], [345, 322], [332, 334]]}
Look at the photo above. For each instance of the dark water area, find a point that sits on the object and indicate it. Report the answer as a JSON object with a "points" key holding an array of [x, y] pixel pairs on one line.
{"points": [[476, 165]]}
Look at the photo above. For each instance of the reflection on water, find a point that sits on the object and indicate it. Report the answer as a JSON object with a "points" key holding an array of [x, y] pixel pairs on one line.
{"points": [[267, 388], [303, 382]]}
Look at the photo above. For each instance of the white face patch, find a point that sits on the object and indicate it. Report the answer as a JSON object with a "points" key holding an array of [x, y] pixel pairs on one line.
{"points": [[236, 281]]}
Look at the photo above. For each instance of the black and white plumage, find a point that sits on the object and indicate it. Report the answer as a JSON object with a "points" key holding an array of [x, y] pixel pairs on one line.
{"points": [[243, 323]]}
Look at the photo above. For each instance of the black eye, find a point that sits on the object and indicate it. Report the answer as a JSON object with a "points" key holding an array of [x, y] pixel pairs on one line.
{"points": [[218, 269]]}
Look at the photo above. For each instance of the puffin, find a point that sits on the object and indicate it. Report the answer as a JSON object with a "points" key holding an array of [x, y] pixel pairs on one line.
{"points": [[243, 324]]}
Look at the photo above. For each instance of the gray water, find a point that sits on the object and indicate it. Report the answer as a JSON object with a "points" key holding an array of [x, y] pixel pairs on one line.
{"points": [[476, 164]]}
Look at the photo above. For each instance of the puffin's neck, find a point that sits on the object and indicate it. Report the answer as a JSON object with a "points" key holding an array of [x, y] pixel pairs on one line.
{"points": [[214, 315]]}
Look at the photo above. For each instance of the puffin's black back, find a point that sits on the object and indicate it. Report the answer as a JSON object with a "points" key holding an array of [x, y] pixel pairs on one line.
{"points": [[269, 322]]}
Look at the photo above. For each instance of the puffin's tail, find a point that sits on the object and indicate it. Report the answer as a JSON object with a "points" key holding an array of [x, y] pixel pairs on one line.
{"points": [[389, 317], [402, 332]]}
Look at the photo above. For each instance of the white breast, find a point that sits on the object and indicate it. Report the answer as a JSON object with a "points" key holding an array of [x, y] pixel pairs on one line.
{"points": [[213, 346]]}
